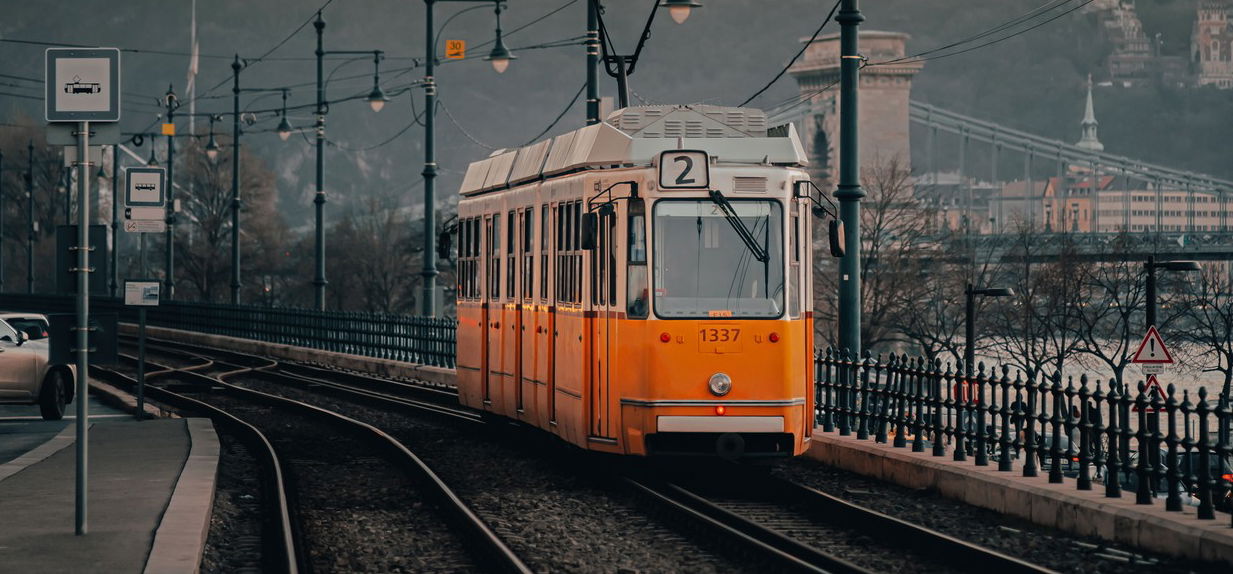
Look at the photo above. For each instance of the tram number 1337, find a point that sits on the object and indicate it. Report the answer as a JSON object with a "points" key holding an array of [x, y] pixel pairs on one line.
{"points": [[719, 335]]}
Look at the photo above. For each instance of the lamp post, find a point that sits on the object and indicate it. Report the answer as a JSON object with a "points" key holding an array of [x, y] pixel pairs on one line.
{"points": [[622, 67], [969, 357], [319, 281], [1151, 266], [172, 103], [849, 192], [115, 218], [235, 180], [500, 58], [1, 221], [30, 217]]}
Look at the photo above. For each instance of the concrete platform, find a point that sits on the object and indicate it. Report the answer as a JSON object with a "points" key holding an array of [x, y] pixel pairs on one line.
{"points": [[151, 486], [1061, 506]]}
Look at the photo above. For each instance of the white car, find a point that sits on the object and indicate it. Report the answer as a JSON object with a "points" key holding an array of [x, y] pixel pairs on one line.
{"points": [[26, 376]]}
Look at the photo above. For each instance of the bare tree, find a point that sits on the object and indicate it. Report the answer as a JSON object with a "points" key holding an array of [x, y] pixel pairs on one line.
{"points": [[1111, 305], [1209, 317]]}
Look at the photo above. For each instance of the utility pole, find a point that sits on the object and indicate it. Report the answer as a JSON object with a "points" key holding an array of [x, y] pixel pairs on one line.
{"points": [[319, 201], [115, 217], [235, 181], [30, 217], [169, 283], [428, 301], [592, 44], [1, 221], [849, 193]]}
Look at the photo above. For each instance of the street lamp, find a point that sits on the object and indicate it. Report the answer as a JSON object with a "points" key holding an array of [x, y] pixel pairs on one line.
{"points": [[428, 303], [969, 357], [500, 56], [376, 100], [284, 127], [1151, 266], [211, 148], [172, 103], [679, 10], [622, 67]]}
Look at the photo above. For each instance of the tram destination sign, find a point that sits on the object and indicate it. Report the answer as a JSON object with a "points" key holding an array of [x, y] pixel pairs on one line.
{"points": [[684, 169]]}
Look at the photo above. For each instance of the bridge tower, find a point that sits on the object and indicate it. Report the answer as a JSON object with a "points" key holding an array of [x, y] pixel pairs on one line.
{"points": [[885, 90]]}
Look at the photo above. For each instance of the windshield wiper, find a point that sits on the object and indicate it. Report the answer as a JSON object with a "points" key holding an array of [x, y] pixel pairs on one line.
{"points": [[750, 242]]}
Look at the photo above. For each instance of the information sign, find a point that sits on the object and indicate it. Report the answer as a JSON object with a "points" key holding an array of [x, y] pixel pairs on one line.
{"points": [[82, 84], [141, 292]]}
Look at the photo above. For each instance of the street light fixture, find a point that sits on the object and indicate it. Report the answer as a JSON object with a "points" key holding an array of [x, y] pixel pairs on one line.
{"points": [[969, 357], [377, 97], [680, 10], [500, 56], [284, 127], [1151, 266], [211, 148]]}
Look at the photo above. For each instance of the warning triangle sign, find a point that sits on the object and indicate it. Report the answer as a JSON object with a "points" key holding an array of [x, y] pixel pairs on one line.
{"points": [[1152, 349], [1150, 390]]}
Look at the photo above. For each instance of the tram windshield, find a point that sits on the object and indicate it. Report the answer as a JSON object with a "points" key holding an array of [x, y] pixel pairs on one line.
{"points": [[703, 269]]}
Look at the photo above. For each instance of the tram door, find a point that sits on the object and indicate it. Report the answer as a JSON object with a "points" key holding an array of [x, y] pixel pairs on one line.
{"points": [[603, 301]]}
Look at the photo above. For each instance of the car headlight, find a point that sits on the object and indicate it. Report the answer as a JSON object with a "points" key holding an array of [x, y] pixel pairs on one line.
{"points": [[720, 384]]}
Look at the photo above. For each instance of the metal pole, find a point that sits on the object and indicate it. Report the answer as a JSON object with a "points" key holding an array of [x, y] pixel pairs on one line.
{"points": [[850, 193], [428, 303], [83, 317], [1151, 290], [592, 64], [115, 218], [141, 255], [319, 200], [235, 183], [30, 217], [141, 362], [1, 221], [969, 349], [169, 284]]}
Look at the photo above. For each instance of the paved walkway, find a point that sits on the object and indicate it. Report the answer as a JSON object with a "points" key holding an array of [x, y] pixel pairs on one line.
{"points": [[134, 469]]}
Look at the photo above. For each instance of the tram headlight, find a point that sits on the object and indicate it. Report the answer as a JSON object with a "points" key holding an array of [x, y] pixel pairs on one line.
{"points": [[720, 384]]}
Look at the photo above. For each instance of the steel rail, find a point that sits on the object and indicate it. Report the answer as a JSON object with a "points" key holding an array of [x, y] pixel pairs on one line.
{"points": [[782, 551], [284, 549], [472, 529], [966, 555]]}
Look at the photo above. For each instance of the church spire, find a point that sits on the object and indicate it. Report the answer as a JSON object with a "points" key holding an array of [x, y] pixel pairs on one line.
{"points": [[1089, 139]]}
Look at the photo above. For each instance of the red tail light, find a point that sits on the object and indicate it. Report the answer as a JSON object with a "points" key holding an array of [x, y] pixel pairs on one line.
{"points": [[664, 337], [773, 337], [1227, 477], [720, 410]]}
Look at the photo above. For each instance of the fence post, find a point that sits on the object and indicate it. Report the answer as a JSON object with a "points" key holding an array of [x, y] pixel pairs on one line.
{"points": [[865, 410], [978, 402], [1085, 434], [959, 390], [1143, 495], [826, 382], [939, 429], [1055, 422], [881, 418], [1204, 480], [917, 398], [1006, 441], [1173, 475], [1113, 481], [845, 392]]}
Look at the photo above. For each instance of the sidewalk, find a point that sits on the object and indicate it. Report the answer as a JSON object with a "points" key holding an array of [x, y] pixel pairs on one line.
{"points": [[135, 467]]}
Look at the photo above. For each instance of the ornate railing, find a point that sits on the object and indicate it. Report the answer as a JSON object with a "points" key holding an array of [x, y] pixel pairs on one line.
{"points": [[1175, 445], [422, 340]]}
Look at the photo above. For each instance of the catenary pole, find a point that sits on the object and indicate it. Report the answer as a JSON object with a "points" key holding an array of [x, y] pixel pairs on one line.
{"points": [[235, 181], [849, 192], [83, 319], [319, 201]]}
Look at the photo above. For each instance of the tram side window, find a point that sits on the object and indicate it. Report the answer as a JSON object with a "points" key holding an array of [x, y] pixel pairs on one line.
{"points": [[612, 260], [528, 259], [510, 268], [577, 242], [475, 258], [636, 295], [543, 253], [794, 267], [494, 259], [461, 280]]}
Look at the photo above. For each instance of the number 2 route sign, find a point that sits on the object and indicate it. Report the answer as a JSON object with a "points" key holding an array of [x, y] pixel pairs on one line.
{"points": [[1152, 350], [684, 169], [82, 85]]}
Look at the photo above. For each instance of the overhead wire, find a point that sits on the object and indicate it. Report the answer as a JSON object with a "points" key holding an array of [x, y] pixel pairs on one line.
{"points": [[554, 123], [783, 71]]}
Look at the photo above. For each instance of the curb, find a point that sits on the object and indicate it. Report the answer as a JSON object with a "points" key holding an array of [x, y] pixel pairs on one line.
{"points": [[1061, 506], [180, 539], [41, 452]]}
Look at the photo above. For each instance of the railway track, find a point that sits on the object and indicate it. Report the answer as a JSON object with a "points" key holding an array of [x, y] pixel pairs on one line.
{"points": [[802, 529], [799, 529], [354, 505]]}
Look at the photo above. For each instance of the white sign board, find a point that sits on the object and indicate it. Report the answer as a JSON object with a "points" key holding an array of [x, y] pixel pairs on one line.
{"points": [[145, 225], [143, 292], [684, 169], [82, 84], [144, 187]]}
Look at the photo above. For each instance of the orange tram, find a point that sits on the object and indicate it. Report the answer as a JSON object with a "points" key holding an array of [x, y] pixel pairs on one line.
{"points": [[641, 286]]}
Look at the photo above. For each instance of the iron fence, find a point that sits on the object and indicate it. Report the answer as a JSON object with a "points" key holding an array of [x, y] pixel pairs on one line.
{"points": [[423, 340], [1176, 446]]}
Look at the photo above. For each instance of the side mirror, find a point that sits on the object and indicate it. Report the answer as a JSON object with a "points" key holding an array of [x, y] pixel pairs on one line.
{"points": [[444, 246], [590, 223], [837, 237]]}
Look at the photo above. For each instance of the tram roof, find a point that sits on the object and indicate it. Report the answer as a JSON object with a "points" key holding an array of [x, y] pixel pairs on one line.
{"points": [[635, 136]]}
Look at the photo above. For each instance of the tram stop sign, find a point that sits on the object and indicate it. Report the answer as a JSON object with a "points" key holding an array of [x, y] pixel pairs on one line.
{"points": [[82, 85]]}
